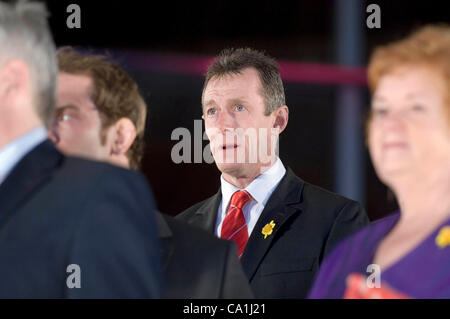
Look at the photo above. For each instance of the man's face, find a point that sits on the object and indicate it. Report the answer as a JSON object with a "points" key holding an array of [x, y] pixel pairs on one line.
{"points": [[240, 134], [77, 127]]}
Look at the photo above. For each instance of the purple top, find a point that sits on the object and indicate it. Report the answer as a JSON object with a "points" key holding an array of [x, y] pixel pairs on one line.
{"points": [[422, 273]]}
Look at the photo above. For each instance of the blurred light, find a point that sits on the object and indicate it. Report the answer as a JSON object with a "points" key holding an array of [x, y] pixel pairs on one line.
{"points": [[299, 72]]}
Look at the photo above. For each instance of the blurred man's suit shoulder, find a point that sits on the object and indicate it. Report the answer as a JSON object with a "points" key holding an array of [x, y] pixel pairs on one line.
{"points": [[57, 211]]}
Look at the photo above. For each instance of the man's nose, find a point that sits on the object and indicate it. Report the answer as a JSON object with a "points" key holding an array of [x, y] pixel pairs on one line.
{"points": [[225, 121]]}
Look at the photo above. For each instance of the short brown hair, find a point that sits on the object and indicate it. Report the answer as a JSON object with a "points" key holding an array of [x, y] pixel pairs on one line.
{"points": [[233, 61], [429, 46], [116, 95]]}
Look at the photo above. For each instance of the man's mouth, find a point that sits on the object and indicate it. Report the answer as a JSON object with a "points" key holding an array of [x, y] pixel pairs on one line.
{"points": [[229, 146]]}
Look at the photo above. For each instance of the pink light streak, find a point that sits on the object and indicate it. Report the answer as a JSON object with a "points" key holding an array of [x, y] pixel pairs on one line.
{"points": [[297, 72]]}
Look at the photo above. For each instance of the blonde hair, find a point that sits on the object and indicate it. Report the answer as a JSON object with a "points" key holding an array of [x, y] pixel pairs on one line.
{"points": [[429, 46]]}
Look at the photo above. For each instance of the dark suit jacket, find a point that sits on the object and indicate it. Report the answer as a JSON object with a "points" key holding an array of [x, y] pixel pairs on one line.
{"points": [[56, 211], [199, 265], [309, 221]]}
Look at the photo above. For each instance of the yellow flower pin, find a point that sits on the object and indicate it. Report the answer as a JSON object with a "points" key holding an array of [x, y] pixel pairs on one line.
{"points": [[443, 238], [268, 229]]}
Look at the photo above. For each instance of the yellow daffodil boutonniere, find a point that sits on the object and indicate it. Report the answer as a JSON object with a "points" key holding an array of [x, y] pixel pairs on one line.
{"points": [[443, 238], [268, 229]]}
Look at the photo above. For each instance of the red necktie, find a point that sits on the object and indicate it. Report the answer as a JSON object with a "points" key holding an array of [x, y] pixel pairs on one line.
{"points": [[234, 226]]}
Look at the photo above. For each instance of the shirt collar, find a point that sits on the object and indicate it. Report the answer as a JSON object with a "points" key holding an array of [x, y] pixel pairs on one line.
{"points": [[13, 152], [260, 188]]}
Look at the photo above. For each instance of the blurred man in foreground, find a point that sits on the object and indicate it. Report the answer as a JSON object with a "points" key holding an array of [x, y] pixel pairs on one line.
{"points": [[69, 228]]}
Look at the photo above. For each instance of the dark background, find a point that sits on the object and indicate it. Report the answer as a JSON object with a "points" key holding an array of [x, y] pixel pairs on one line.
{"points": [[300, 31]]}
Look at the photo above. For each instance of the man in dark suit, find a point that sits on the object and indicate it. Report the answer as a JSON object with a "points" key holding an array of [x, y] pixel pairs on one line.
{"points": [[195, 263], [283, 226], [69, 228], [198, 265]]}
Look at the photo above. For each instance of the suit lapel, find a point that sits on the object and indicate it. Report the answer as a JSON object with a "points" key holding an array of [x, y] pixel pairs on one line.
{"points": [[284, 202], [31, 172], [166, 237], [206, 216]]}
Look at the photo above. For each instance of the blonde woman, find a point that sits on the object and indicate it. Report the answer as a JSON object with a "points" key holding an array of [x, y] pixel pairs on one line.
{"points": [[407, 254]]}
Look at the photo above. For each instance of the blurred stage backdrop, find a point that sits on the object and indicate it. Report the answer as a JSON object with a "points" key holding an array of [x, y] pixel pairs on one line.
{"points": [[322, 47]]}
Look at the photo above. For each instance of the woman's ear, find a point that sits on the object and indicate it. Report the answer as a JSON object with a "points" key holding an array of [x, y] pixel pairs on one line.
{"points": [[125, 134], [281, 118]]}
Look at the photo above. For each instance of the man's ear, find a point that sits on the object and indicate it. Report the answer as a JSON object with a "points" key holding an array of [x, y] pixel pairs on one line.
{"points": [[125, 133], [14, 79], [281, 115]]}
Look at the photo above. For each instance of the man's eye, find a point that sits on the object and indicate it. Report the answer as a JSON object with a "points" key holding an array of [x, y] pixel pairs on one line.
{"points": [[63, 117], [211, 112], [240, 108]]}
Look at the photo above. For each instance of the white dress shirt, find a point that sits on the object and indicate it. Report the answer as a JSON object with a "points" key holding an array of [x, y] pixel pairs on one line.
{"points": [[14, 151], [261, 188]]}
